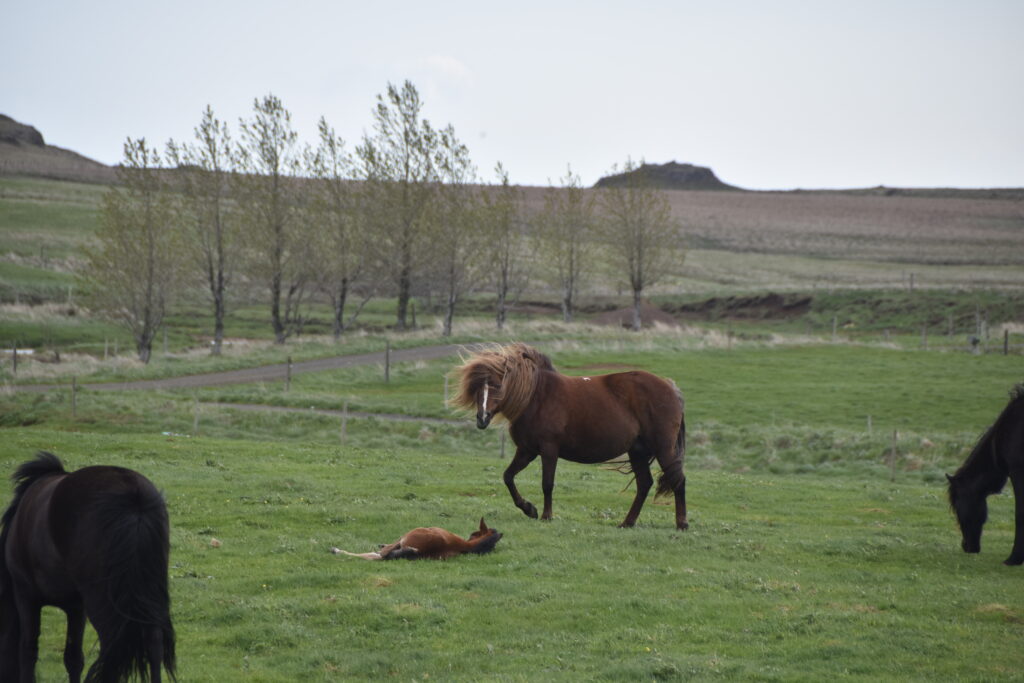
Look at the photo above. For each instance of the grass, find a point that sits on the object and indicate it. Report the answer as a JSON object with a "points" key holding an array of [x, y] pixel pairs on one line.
{"points": [[779, 578]]}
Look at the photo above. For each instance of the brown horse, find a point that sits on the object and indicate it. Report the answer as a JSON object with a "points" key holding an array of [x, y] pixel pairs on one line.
{"points": [[433, 543], [582, 419], [95, 544]]}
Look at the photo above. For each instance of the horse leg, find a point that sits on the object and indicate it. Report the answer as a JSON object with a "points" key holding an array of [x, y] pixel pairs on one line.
{"points": [[547, 482], [1017, 554], [641, 465], [74, 660], [28, 643], [519, 462], [672, 479]]}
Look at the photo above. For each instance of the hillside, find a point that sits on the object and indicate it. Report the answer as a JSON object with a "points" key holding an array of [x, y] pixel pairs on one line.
{"points": [[24, 152], [670, 176]]}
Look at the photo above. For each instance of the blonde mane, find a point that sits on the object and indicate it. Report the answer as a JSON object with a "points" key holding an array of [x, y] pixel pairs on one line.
{"points": [[515, 366]]}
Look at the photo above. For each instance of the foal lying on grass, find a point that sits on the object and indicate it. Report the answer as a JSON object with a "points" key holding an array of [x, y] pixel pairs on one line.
{"points": [[433, 543]]}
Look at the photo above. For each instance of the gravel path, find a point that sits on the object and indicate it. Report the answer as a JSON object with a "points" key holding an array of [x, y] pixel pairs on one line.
{"points": [[266, 373]]}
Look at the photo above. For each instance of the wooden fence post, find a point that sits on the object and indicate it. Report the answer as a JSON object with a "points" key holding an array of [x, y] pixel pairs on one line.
{"points": [[892, 455], [14, 357], [1006, 342], [195, 415], [444, 401], [387, 361], [288, 375], [503, 444], [344, 422], [74, 397]]}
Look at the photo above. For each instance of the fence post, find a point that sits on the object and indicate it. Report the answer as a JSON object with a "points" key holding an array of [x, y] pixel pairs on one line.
{"points": [[387, 361], [869, 425], [14, 357], [503, 444], [195, 415], [288, 375], [344, 422], [892, 456], [444, 402], [1006, 341], [835, 321], [74, 397], [924, 337]]}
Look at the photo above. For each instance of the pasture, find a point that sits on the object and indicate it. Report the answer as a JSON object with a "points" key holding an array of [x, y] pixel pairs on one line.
{"points": [[821, 544], [804, 560]]}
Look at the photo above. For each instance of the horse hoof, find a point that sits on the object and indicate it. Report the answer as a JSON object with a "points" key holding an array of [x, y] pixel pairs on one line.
{"points": [[530, 510], [683, 526], [1013, 561]]}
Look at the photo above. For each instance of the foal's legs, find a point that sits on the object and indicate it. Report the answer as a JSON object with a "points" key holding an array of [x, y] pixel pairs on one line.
{"points": [[1017, 554], [519, 462], [638, 460], [74, 660]]}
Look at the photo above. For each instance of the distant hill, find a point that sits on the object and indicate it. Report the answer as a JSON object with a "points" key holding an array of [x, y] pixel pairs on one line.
{"points": [[670, 176], [23, 151]]}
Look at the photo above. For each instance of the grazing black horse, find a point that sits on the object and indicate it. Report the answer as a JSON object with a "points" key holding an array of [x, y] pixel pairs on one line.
{"points": [[94, 543], [998, 455]]}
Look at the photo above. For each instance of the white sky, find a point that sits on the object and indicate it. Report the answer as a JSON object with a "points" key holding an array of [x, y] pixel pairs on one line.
{"points": [[771, 95]]}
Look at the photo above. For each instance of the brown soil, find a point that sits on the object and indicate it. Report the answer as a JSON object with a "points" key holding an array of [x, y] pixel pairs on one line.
{"points": [[623, 317]]}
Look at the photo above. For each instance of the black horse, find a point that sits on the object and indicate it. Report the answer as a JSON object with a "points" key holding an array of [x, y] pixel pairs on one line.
{"points": [[998, 455], [95, 544]]}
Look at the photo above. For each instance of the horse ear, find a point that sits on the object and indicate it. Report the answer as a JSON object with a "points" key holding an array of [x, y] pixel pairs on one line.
{"points": [[949, 479], [483, 527]]}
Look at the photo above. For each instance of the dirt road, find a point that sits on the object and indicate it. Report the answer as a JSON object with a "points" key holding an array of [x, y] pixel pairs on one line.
{"points": [[266, 373]]}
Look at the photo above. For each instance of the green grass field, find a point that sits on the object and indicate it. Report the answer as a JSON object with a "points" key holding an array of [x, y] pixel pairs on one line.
{"points": [[821, 544], [804, 560], [779, 578]]}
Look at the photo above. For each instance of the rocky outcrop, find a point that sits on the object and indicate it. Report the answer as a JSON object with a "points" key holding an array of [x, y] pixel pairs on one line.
{"points": [[670, 176]]}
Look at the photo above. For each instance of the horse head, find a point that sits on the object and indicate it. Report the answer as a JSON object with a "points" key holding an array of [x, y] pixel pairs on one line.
{"points": [[971, 510], [484, 539]]}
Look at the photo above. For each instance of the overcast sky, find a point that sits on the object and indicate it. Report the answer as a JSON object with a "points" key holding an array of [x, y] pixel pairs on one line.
{"points": [[771, 95]]}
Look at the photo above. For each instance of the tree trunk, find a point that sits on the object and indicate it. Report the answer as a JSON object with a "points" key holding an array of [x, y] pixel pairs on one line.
{"points": [[637, 321], [218, 323], [502, 309], [339, 308], [404, 294], [275, 309], [449, 310], [567, 304]]}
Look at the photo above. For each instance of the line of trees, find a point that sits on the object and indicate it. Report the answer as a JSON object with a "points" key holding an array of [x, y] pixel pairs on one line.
{"points": [[403, 214]]}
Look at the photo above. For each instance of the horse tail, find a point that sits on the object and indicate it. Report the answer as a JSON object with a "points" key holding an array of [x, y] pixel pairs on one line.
{"points": [[27, 474], [133, 618], [672, 477]]}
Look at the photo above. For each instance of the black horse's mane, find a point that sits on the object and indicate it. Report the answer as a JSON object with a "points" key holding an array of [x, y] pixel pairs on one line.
{"points": [[27, 474], [982, 464]]}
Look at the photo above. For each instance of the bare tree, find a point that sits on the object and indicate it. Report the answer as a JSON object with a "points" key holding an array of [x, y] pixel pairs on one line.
{"points": [[397, 164], [456, 241], [566, 227], [342, 261], [267, 190], [204, 170], [501, 221], [642, 237], [131, 270]]}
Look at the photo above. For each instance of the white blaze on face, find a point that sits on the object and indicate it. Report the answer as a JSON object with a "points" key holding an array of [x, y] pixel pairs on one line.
{"points": [[483, 401]]}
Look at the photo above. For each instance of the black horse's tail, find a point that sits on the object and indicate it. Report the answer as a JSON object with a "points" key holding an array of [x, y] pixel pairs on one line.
{"points": [[133, 618], [27, 474], [672, 477]]}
